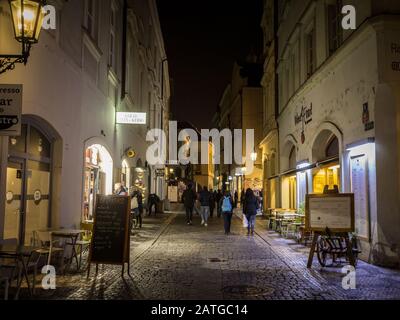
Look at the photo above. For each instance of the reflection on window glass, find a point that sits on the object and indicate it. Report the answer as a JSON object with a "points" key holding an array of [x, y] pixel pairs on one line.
{"points": [[39, 145], [17, 144]]}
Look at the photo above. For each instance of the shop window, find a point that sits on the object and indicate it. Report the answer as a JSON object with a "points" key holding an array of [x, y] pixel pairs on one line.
{"points": [[39, 145], [18, 144], [328, 176], [293, 192]]}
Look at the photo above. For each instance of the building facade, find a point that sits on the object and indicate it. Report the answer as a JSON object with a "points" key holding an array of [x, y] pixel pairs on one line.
{"points": [[270, 143], [338, 113], [104, 57]]}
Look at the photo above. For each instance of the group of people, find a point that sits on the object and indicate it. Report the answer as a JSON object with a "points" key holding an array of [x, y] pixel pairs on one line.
{"points": [[225, 204], [137, 206]]}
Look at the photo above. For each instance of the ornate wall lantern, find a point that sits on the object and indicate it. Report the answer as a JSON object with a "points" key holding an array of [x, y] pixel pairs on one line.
{"points": [[27, 18]]}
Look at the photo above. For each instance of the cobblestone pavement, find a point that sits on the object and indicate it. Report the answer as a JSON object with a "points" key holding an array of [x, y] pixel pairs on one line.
{"points": [[171, 260]]}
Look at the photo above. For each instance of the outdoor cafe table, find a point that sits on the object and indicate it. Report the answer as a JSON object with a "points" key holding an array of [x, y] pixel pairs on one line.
{"points": [[73, 235], [21, 253]]}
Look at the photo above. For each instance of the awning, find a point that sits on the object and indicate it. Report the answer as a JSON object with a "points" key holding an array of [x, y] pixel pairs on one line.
{"points": [[311, 166]]}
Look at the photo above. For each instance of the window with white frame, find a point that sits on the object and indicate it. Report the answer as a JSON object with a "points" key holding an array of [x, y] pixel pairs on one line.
{"points": [[335, 31], [90, 18], [113, 34], [310, 52], [129, 69]]}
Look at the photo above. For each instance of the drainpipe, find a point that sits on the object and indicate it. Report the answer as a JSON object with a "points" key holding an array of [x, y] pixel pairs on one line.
{"points": [[124, 46]]}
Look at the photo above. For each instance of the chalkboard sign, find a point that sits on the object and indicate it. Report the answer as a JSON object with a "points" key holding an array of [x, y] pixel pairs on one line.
{"points": [[110, 241]]}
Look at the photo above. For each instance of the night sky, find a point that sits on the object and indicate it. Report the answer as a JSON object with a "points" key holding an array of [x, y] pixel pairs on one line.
{"points": [[203, 39]]}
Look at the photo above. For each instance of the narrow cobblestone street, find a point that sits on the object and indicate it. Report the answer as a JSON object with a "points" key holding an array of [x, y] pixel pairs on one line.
{"points": [[170, 260]]}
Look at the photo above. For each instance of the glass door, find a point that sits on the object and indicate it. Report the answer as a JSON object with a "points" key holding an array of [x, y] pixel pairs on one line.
{"points": [[37, 198], [14, 211]]}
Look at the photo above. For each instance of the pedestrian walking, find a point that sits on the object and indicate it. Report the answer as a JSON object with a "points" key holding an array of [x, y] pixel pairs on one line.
{"points": [[242, 195], [120, 190], [188, 198], [236, 199], [250, 208], [137, 208], [226, 208], [212, 203], [218, 198], [152, 202], [205, 206]]}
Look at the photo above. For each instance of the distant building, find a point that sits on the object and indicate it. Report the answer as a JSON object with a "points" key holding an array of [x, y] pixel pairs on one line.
{"points": [[193, 172], [270, 142]]}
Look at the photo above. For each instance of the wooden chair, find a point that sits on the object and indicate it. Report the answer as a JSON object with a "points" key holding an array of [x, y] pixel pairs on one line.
{"points": [[85, 240]]}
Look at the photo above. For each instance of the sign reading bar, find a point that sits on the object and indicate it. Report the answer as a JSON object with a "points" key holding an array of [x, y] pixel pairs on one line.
{"points": [[131, 118], [10, 109], [332, 211], [110, 241]]}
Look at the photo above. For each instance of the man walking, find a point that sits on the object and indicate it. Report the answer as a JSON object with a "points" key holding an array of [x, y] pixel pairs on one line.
{"points": [[212, 203], [236, 199], [189, 197], [218, 198], [205, 206], [152, 202]]}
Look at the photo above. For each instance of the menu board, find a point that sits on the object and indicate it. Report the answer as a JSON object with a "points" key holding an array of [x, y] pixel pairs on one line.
{"points": [[110, 242], [333, 211], [359, 185]]}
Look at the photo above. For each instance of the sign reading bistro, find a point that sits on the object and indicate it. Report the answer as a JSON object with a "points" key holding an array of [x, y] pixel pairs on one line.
{"points": [[10, 109]]}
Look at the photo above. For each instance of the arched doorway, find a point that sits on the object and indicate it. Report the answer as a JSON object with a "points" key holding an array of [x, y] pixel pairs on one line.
{"points": [[326, 152], [98, 177], [29, 176]]}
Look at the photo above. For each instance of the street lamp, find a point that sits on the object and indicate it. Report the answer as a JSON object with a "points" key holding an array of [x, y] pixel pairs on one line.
{"points": [[253, 156], [27, 17]]}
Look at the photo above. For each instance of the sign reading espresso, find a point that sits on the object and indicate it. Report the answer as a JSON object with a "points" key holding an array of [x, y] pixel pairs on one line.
{"points": [[110, 241], [10, 109]]}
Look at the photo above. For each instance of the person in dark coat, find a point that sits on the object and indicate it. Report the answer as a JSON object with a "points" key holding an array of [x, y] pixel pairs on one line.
{"points": [[250, 208], [188, 198], [218, 198], [152, 202], [204, 198], [137, 210], [242, 195], [236, 199], [212, 203], [225, 206]]}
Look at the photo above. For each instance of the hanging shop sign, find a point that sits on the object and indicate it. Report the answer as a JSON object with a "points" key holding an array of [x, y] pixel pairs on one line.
{"points": [[160, 172], [304, 117], [131, 118], [369, 125], [10, 109]]}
